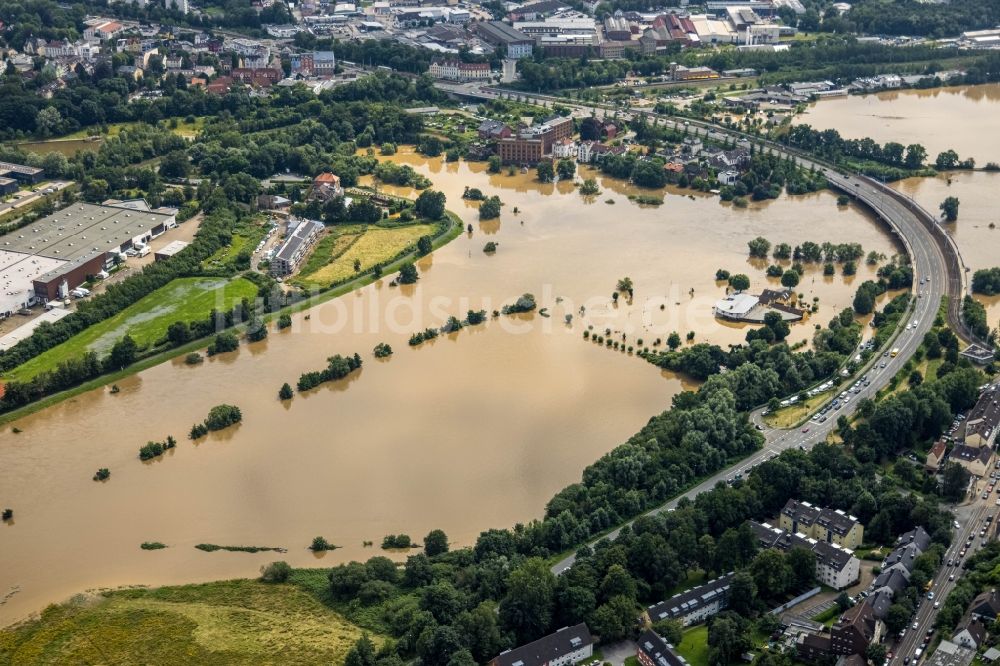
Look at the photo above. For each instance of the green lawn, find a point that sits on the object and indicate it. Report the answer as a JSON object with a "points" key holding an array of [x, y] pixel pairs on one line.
{"points": [[246, 237], [184, 299], [694, 646], [225, 622]]}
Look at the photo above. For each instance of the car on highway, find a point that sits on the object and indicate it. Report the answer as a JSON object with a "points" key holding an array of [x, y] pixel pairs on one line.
{"points": [[915, 625]]}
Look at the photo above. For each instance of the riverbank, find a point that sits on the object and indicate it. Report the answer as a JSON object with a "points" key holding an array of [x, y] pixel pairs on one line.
{"points": [[450, 232], [224, 622]]}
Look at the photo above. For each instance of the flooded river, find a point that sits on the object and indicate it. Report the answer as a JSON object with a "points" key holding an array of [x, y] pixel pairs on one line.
{"points": [[961, 118], [978, 242], [471, 431]]}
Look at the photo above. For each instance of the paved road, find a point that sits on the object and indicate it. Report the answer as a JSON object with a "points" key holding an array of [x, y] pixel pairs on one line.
{"points": [[935, 275], [970, 517]]}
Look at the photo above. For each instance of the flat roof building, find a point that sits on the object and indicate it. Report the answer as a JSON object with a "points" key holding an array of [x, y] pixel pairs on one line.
{"points": [[57, 253], [21, 172], [170, 249]]}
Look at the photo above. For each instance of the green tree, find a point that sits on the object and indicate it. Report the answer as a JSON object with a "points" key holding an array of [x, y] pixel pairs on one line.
{"points": [[362, 653], [566, 168], [790, 279], [728, 638], [949, 207], [424, 245], [122, 354], [739, 282], [544, 171], [490, 208], [759, 247], [956, 480], [430, 204], [529, 603], [407, 273], [614, 620], [285, 393], [481, 631], [674, 340], [435, 543]]}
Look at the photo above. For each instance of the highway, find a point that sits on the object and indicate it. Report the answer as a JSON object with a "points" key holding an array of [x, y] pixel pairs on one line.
{"points": [[937, 272]]}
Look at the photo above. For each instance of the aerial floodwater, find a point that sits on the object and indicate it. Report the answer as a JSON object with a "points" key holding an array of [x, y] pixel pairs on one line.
{"points": [[473, 430], [960, 118]]}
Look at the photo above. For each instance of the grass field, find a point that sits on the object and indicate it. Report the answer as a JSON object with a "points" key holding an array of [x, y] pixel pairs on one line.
{"points": [[694, 646], [225, 622], [370, 246], [245, 237], [184, 299]]}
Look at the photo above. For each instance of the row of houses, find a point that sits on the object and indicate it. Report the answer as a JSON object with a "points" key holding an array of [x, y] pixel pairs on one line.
{"points": [[862, 625], [976, 437]]}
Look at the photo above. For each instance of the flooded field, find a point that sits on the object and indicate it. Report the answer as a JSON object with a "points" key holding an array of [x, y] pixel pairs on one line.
{"points": [[473, 430], [67, 147], [961, 118], [978, 241]]}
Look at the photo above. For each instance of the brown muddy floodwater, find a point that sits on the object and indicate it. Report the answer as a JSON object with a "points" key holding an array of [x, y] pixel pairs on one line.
{"points": [[471, 431], [977, 241], [961, 118]]}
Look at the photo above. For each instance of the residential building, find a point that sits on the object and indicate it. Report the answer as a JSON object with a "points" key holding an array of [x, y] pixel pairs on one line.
{"points": [[326, 186], [497, 33], [983, 420], [970, 634], [835, 566], [832, 526], [564, 148], [936, 455], [855, 630], [695, 605], [302, 234], [180, 5], [569, 645], [985, 606], [530, 144], [978, 460], [652, 650], [590, 152]]}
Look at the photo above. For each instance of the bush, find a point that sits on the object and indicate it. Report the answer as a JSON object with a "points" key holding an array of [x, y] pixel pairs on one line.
{"points": [[396, 541], [223, 416], [224, 342], [320, 544], [382, 350], [102, 474], [475, 317], [490, 247], [275, 572], [152, 545], [194, 358], [407, 273], [337, 367], [526, 303], [285, 392], [490, 208], [284, 321], [198, 430], [153, 449]]}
